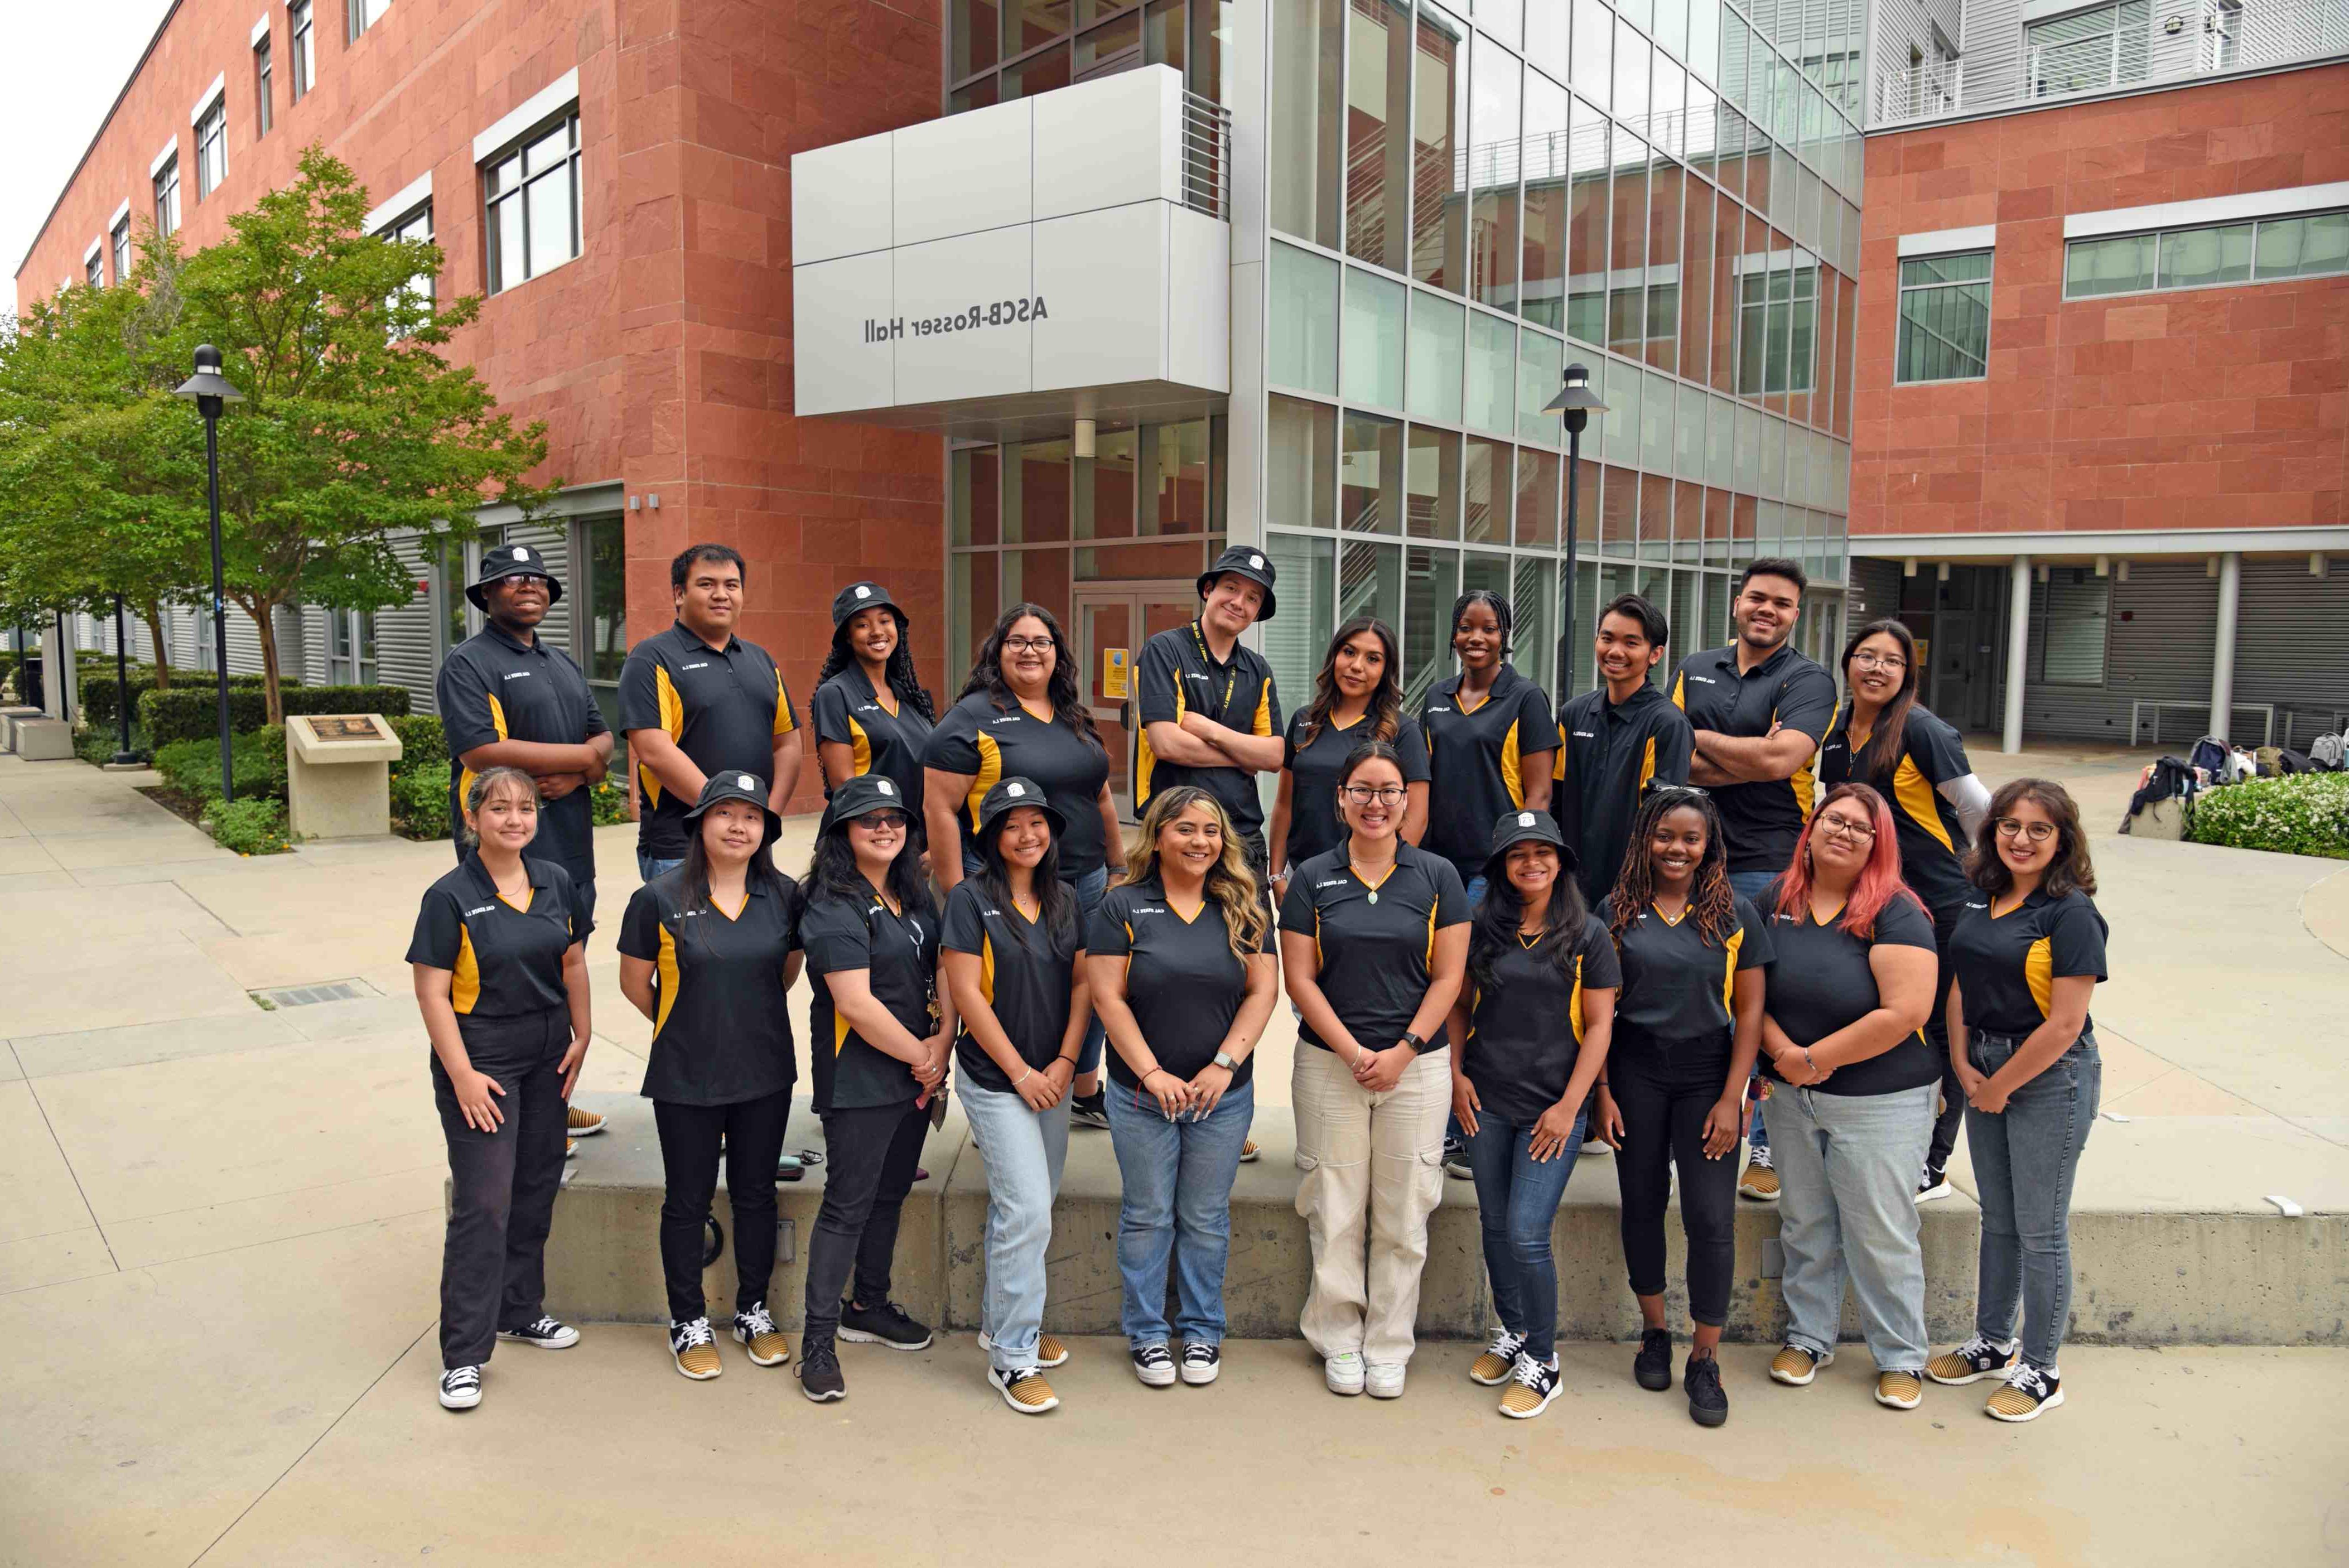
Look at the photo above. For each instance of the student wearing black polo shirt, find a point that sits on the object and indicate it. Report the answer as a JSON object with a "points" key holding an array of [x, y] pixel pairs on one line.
{"points": [[1616, 743], [1490, 739], [1361, 679], [707, 953], [696, 699], [1373, 941], [1851, 979], [879, 1030], [870, 715], [1209, 714], [1536, 957], [1014, 962], [1021, 716], [502, 981], [1184, 980], [1759, 710], [1884, 737], [2029, 950], [1688, 1022]]}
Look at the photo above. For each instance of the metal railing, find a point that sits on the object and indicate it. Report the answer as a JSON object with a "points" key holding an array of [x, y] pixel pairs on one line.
{"points": [[1207, 155]]}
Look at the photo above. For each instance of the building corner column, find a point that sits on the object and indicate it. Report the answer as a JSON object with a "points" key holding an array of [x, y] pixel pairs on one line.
{"points": [[2222, 650], [2018, 650]]}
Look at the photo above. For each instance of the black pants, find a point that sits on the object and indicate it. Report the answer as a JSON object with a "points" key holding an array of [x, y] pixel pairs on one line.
{"points": [[752, 1130], [1665, 1088], [1936, 1032], [494, 1263], [870, 1156]]}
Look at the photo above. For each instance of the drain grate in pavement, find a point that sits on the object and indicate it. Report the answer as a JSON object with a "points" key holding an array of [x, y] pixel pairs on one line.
{"points": [[304, 995]]}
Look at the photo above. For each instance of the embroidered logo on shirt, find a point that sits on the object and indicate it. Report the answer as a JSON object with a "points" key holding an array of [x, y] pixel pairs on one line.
{"points": [[483, 910], [515, 676], [1586, 734], [702, 665], [1704, 680], [1333, 882]]}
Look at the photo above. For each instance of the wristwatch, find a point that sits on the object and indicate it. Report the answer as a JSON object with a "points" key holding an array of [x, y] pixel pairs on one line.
{"points": [[1418, 1047], [1224, 1060]]}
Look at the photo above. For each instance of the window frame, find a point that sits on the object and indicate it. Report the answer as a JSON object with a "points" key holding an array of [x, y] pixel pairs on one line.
{"points": [[360, 16], [211, 147], [1902, 289], [166, 182], [395, 229], [264, 72], [302, 51], [2115, 77], [495, 280], [119, 243], [2159, 235]]}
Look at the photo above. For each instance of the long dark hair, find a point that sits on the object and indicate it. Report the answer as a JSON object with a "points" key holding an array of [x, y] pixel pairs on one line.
{"points": [[833, 873], [1502, 615], [2069, 870], [1884, 742], [1059, 905], [1495, 923], [1711, 898], [695, 872], [987, 671], [898, 671], [1384, 709]]}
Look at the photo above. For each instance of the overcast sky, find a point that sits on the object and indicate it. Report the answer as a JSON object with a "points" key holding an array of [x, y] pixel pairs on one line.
{"points": [[85, 52]]}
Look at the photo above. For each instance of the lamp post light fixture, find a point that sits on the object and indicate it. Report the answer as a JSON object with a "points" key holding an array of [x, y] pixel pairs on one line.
{"points": [[1575, 403], [211, 391]]}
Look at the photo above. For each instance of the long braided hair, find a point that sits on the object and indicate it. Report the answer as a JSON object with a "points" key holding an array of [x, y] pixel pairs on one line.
{"points": [[1711, 898], [898, 671]]}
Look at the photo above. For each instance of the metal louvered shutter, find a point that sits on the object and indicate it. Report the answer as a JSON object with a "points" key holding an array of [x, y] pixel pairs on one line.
{"points": [[2292, 647], [407, 649]]}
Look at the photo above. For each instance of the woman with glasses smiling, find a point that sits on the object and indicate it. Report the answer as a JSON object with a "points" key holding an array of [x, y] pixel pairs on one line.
{"points": [[1884, 737]]}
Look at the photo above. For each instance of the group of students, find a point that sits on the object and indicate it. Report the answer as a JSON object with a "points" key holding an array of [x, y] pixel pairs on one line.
{"points": [[1501, 933]]}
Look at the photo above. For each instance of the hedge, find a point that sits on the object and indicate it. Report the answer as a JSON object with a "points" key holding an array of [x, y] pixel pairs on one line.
{"points": [[191, 712], [258, 756], [2300, 814], [98, 690]]}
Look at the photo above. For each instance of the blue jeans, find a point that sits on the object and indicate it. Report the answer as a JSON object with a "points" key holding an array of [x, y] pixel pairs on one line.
{"points": [[649, 866], [1516, 1201], [1474, 887], [1751, 885], [1847, 1208], [2024, 1160], [1025, 1151], [1090, 889], [1177, 1204]]}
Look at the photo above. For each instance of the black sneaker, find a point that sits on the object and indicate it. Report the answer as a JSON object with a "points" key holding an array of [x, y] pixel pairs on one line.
{"points": [[1090, 1110], [1201, 1362], [1652, 1367], [820, 1377], [1154, 1366], [885, 1324], [460, 1388], [547, 1334], [1932, 1183], [1708, 1405], [1456, 1162]]}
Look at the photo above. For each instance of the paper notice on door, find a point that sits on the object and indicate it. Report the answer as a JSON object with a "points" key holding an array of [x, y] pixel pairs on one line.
{"points": [[1113, 674]]}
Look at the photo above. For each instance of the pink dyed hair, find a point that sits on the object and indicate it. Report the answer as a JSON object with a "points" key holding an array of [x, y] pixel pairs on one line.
{"points": [[1879, 879]]}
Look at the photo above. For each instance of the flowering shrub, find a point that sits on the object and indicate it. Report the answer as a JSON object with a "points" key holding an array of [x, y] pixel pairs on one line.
{"points": [[2303, 814]]}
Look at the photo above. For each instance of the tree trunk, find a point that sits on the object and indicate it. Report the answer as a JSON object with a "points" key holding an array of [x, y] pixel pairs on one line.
{"points": [[151, 612], [261, 611]]}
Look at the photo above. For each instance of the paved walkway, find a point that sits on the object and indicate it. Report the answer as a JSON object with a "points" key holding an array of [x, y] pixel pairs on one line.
{"points": [[218, 1241]]}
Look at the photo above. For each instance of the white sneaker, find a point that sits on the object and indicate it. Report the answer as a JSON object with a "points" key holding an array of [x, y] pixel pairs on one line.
{"points": [[1383, 1381], [1153, 1365], [1343, 1373], [460, 1388]]}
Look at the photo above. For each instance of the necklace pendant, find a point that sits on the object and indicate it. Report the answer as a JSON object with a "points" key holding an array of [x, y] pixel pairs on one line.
{"points": [[1374, 895]]}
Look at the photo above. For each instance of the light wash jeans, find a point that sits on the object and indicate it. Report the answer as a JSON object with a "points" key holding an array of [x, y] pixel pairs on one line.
{"points": [[1177, 1206], [1516, 1200], [1751, 886], [2024, 1160], [1025, 1151], [651, 866], [1848, 1168]]}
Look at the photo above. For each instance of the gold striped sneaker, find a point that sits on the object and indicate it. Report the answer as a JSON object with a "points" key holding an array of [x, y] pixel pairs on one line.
{"points": [[1049, 1352], [1760, 1181], [694, 1349], [1797, 1365], [1500, 1358], [1025, 1390], [1900, 1390], [755, 1331], [580, 1122], [1532, 1386], [2028, 1393], [1972, 1362]]}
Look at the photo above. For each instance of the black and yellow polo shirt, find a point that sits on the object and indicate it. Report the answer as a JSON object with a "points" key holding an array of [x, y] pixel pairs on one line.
{"points": [[1932, 837], [1608, 754], [493, 687], [1760, 820], [1377, 943], [1676, 984], [992, 744], [1476, 759], [1178, 675], [1183, 983], [899, 954], [1516, 1053], [1820, 982], [2008, 963], [721, 1032], [1028, 973], [1314, 765], [504, 960], [883, 733], [722, 707]]}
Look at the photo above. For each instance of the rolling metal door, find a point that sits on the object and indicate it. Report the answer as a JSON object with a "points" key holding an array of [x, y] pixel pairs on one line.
{"points": [[2291, 648]]}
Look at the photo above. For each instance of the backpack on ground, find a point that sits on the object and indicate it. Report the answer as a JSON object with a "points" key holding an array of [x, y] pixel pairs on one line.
{"points": [[2325, 753], [2164, 796], [2212, 757]]}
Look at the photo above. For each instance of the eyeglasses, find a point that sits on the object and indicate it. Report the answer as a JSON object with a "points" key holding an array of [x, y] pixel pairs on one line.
{"points": [[1845, 827], [883, 820], [2015, 828], [1879, 661], [1385, 794], [1026, 644], [513, 580]]}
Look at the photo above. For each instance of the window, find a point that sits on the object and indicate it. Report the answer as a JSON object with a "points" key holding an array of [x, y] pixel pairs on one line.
{"points": [[167, 197], [2267, 249], [1944, 318], [303, 50], [415, 223], [121, 245], [361, 14], [2069, 614], [2084, 51], [350, 647], [93, 267], [606, 599], [265, 111], [2222, 35], [1777, 320], [212, 148], [533, 195]]}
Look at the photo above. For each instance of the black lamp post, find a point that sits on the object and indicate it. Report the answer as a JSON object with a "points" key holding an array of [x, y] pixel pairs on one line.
{"points": [[125, 757], [211, 392], [1576, 402]]}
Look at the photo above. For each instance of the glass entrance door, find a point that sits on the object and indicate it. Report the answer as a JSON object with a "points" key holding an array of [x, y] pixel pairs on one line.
{"points": [[1113, 620]]}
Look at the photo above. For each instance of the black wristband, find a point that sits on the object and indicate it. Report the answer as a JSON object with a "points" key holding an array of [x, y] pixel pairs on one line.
{"points": [[1419, 1047]]}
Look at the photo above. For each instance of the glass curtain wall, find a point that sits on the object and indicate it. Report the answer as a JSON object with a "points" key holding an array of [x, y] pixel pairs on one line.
{"points": [[998, 51]]}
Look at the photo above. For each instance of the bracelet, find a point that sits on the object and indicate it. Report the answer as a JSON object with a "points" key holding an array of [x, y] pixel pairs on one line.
{"points": [[1808, 1062], [1023, 1077]]}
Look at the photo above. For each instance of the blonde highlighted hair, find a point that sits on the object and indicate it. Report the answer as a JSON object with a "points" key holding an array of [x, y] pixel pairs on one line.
{"points": [[1229, 882]]}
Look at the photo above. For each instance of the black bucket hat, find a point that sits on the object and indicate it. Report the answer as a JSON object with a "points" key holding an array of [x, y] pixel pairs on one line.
{"points": [[1520, 827], [730, 785], [862, 795], [859, 596], [1243, 561], [1012, 793], [513, 561]]}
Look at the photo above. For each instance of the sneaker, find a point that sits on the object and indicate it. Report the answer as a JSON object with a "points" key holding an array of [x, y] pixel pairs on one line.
{"points": [[1249, 1152], [820, 1377], [1797, 1365], [1760, 1181], [1596, 1148], [1932, 1184], [1382, 1380], [1049, 1352], [460, 1388], [1090, 1110], [1532, 1386], [1652, 1367], [547, 1333], [1154, 1366], [1708, 1404], [1455, 1160], [1024, 1389], [1900, 1390], [1972, 1362], [582, 1123], [571, 1148], [2028, 1393], [1201, 1362], [1343, 1373], [755, 1330], [694, 1349], [885, 1324], [1500, 1358]]}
